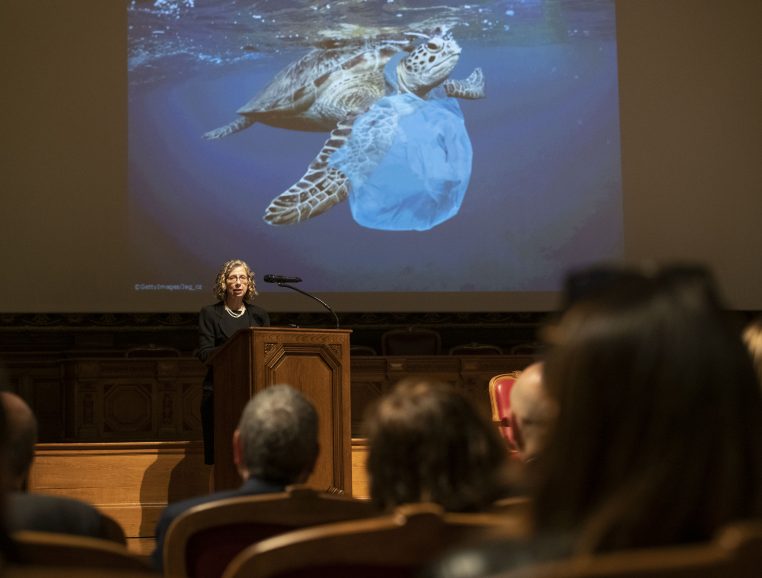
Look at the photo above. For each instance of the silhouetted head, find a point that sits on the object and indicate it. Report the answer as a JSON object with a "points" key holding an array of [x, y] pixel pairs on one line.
{"points": [[659, 410], [428, 443], [277, 436], [21, 438], [533, 413]]}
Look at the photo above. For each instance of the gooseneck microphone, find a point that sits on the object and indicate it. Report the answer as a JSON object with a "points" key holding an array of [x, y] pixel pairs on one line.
{"points": [[281, 279]]}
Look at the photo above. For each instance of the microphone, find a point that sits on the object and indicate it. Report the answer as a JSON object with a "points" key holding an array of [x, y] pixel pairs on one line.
{"points": [[281, 279]]}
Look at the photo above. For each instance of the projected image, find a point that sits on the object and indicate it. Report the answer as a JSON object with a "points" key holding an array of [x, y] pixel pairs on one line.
{"points": [[374, 146], [348, 86]]}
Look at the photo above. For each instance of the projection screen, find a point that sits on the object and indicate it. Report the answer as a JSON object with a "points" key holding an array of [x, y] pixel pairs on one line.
{"points": [[605, 131]]}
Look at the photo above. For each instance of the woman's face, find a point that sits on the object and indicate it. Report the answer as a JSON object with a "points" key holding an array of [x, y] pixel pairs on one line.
{"points": [[237, 282]]}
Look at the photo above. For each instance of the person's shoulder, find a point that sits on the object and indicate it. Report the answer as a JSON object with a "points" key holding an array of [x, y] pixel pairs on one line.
{"points": [[47, 513], [176, 508], [213, 310], [258, 313]]}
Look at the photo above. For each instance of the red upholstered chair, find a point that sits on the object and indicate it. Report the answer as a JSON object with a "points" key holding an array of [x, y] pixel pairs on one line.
{"points": [[202, 541], [500, 400]]}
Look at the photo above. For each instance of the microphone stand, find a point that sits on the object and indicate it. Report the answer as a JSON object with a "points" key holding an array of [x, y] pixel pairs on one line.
{"points": [[311, 296]]}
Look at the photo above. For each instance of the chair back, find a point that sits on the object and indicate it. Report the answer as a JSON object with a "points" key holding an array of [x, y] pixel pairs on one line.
{"points": [[152, 350], [475, 348], [398, 545], [520, 506], [500, 401], [202, 540], [735, 552], [67, 550], [362, 350], [411, 341]]}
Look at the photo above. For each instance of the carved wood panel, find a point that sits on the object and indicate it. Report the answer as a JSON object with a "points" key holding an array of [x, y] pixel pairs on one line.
{"points": [[118, 399], [132, 399]]}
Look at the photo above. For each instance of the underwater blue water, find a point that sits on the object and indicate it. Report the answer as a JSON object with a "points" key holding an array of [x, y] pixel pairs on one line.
{"points": [[545, 187]]}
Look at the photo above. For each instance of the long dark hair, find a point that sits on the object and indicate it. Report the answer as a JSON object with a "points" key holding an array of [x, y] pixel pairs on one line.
{"points": [[659, 436], [429, 443]]}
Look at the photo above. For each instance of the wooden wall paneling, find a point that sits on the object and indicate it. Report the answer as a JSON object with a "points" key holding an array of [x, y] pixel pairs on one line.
{"points": [[134, 482], [127, 399], [360, 482], [37, 379], [132, 399], [373, 376], [131, 482]]}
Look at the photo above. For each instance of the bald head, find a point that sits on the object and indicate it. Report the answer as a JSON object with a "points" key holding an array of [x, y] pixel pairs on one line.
{"points": [[22, 436], [532, 412]]}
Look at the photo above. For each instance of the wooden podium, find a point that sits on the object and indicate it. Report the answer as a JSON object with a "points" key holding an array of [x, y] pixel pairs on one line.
{"points": [[314, 361]]}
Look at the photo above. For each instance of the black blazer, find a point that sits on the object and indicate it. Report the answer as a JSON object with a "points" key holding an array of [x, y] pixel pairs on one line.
{"points": [[216, 327]]}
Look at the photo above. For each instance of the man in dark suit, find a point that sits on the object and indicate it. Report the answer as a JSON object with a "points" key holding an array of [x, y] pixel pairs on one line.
{"points": [[39, 512], [275, 445]]}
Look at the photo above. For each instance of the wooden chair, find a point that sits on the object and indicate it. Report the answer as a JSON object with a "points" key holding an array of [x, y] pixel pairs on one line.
{"points": [[33, 571], [475, 348], [411, 341], [532, 348], [397, 545], [65, 550], [519, 506], [736, 552], [202, 541], [500, 401], [362, 350], [152, 350]]}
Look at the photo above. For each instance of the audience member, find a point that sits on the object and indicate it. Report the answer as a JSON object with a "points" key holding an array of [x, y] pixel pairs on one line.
{"points": [[532, 413], [428, 443], [6, 546], [275, 445], [33, 511], [658, 440], [752, 337], [672, 417]]}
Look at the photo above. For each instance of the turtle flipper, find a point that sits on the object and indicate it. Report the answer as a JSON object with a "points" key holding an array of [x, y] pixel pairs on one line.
{"points": [[321, 187], [471, 88], [237, 125]]}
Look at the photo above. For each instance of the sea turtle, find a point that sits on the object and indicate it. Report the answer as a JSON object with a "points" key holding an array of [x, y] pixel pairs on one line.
{"points": [[327, 89]]}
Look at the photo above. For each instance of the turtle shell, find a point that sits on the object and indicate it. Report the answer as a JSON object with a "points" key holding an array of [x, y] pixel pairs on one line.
{"points": [[324, 86]]}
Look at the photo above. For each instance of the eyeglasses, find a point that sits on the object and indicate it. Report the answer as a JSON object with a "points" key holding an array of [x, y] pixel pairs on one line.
{"points": [[234, 278]]}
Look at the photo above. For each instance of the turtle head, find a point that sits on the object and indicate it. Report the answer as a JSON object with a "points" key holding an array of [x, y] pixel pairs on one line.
{"points": [[429, 64]]}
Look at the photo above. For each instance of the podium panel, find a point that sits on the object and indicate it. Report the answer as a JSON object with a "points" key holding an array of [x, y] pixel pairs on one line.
{"points": [[314, 361]]}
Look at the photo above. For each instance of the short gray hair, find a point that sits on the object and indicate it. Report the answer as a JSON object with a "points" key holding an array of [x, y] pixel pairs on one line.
{"points": [[279, 429]]}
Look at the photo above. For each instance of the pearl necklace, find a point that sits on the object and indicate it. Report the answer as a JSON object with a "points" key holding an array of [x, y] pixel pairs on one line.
{"points": [[235, 314]]}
